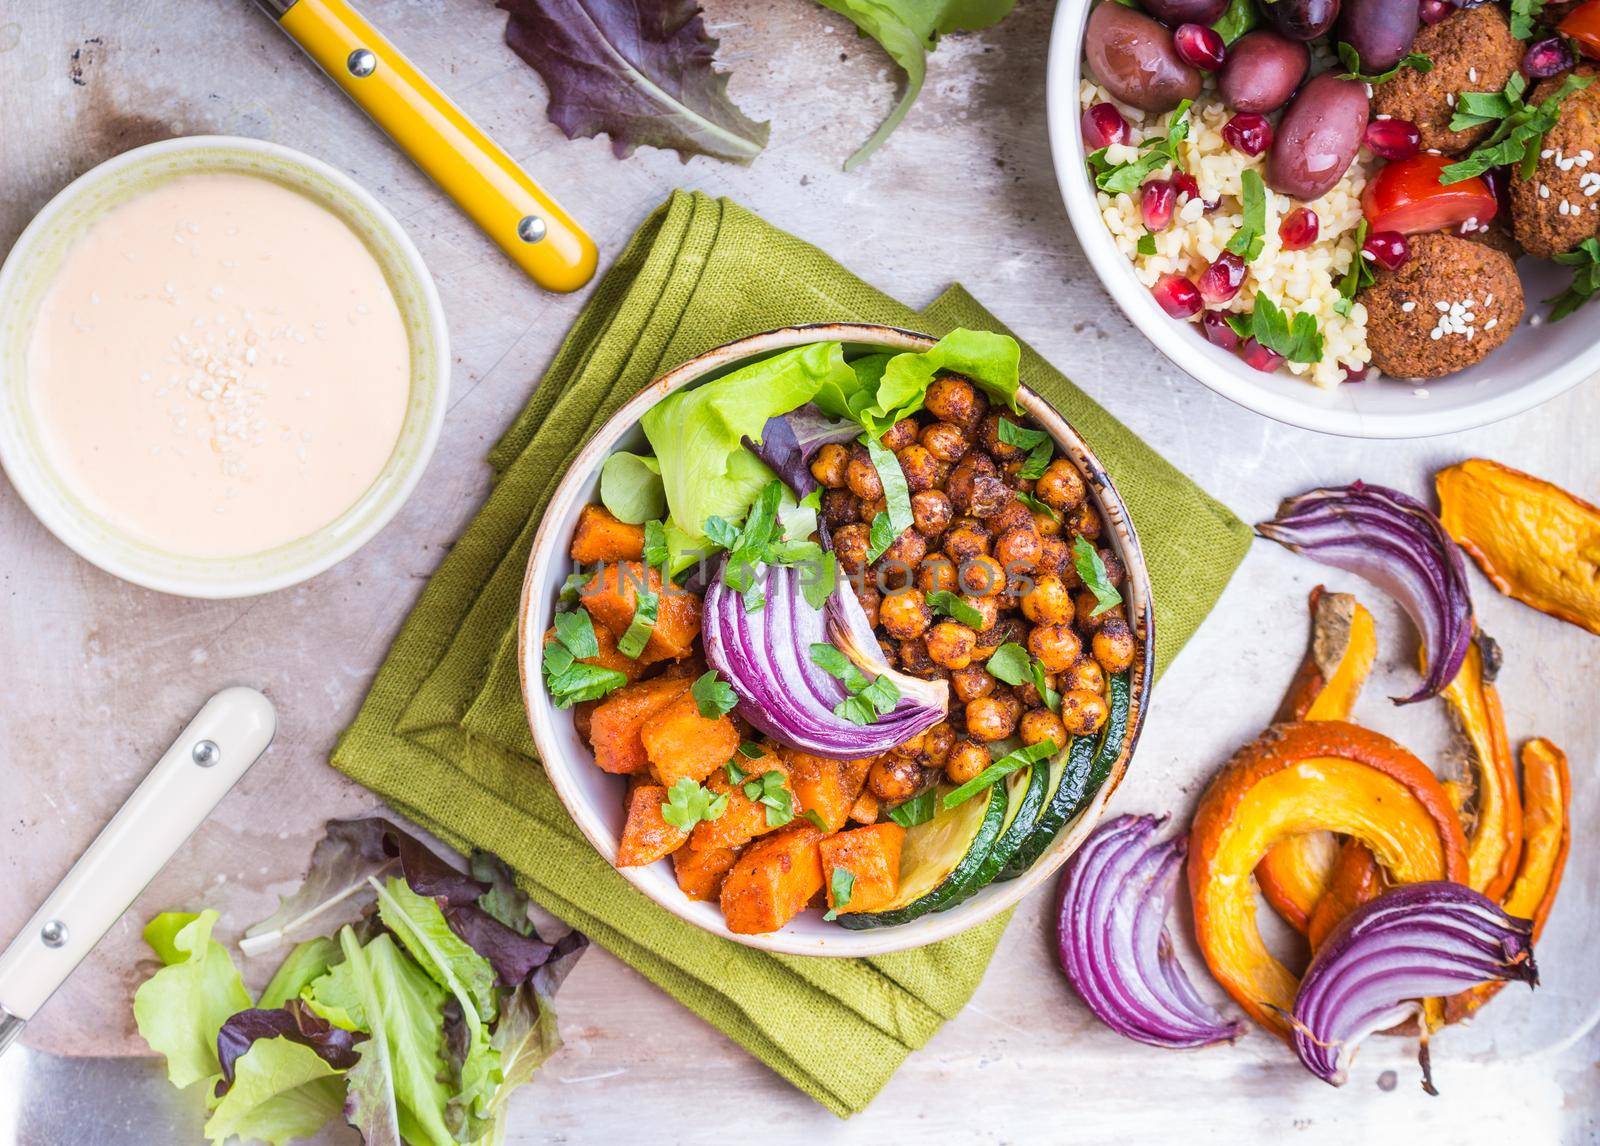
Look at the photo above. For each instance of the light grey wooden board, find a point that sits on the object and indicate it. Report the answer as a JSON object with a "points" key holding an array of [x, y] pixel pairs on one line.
{"points": [[99, 676]]}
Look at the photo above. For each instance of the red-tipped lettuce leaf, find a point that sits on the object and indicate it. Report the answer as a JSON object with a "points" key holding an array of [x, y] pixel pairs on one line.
{"points": [[293, 1021]]}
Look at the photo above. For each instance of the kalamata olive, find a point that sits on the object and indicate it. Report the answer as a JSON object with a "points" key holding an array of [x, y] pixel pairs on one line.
{"points": [[1380, 31], [1546, 58], [1318, 137], [1262, 71], [1302, 19], [1175, 12], [1135, 59]]}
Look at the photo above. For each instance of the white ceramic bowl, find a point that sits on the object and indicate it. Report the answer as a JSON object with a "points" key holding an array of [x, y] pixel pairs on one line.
{"points": [[1535, 365], [596, 799], [31, 267]]}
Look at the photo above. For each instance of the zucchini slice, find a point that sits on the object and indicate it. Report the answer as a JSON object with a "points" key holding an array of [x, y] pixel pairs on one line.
{"points": [[1077, 774], [941, 858], [1025, 796]]}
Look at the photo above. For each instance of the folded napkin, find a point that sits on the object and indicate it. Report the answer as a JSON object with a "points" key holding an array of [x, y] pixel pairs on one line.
{"points": [[442, 736]]}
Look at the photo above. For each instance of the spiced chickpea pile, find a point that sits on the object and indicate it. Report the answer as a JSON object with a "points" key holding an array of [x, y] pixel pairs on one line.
{"points": [[974, 536]]}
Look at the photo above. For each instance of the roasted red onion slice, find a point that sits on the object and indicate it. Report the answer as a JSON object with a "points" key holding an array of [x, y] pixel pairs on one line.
{"points": [[1418, 941], [1114, 944], [1393, 541]]}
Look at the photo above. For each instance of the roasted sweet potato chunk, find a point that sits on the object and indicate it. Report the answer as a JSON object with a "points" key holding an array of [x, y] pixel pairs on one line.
{"points": [[773, 880], [745, 818], [700, 873], [680, 742], [646, 835], [872, 855], [612, 595], [601, 537], [827, 787], [615, 725]]}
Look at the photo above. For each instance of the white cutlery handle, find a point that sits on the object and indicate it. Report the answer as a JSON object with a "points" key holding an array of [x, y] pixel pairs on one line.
{"points": [[221, 742]]}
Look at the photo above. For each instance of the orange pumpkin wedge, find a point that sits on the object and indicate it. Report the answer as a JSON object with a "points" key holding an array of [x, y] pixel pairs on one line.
{"points": [[1494, 831], [1296, 874], [1535, 541], [1302, 777]]}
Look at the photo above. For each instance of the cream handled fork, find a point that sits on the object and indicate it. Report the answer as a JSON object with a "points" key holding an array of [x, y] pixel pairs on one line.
{"points": [[219, 745]]}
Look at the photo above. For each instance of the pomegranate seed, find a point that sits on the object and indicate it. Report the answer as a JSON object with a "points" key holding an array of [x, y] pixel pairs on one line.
{"points": [[1156, 204], [1185, 184], [1221, 280], [1218, 330], [1103, 125], [1355, 373], [1393, 139], [1199, 46], [1388, 249], [1299, 229], [1259, 357], [1433, 11], [1248, 132], [1547, 58], [1177, 296]]}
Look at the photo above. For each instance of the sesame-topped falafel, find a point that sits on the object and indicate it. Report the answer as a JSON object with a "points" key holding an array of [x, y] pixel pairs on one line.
{"points": [[1559, 206], [1472, 51], [1450, 305]]}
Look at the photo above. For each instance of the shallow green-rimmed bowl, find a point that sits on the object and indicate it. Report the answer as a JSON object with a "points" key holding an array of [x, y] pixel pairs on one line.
{"points": [[32, 266]]}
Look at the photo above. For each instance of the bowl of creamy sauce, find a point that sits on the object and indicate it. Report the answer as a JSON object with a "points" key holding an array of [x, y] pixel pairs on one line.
{"points": [[223, 366]]}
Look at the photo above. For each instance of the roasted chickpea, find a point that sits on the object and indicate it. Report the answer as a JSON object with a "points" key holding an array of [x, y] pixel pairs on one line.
{"points": [[1048, 602], [1018, 550], [1083, 713], [1039, 725], [1086, 522], [1029, 695], [840, 507], [931, 512], [1114, 646], [828, 467], [937, 743], [1055, 646], [905, 614], [915, 660], [950, 643], [992, 717], [1048, 524], [869, 510], [935, 573], [1007, 629], [862, 476], [990, 495], [1055, 556], [865, 809], [900, 435], [870, 599], [954, 399], [1013, 516], [945, 441], [894, 779], [967, 761], [1060, 486], [966, 538], [850, 545], [981, 576], [907, 550], [1115, 570], [962, 476], [988, 609], [972, 682], [910, 749], [1086, 675], [989, 438], [921, 468], [1088, 620]]}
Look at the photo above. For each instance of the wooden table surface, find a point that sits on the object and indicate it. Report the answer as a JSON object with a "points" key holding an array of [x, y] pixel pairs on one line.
{"points": [[100, 675]]}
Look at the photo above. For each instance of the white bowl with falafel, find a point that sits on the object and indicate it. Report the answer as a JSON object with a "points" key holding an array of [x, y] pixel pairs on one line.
{"points": [[1375, 218]]}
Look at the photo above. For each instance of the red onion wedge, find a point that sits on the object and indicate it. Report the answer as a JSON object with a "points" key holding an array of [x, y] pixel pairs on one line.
{"points": [[765, 656], [1114, 944], [1393, 541], [1418, 941]]}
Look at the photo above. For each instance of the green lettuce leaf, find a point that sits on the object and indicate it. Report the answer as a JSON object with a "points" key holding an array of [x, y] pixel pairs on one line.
{"points": [[281, 1091], [631, 488], [308, 962], [180, 1008], [882, 389]]}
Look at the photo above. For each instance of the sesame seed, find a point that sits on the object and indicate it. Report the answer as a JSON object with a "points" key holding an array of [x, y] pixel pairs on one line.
{"points": [[1491, 324], [1408, 306]]}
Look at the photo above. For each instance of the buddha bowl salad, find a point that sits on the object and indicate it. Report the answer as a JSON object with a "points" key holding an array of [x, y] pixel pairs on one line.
{"points": [[852, 632]]}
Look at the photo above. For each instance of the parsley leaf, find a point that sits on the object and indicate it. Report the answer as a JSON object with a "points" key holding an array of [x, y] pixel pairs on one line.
{"points": [[1585, 261], [688, 803], [1126, 178], [1000, 769], [656, 552], [1520, 133], [818, 579], [1051, 698], [720, 532], [842, 884], [1524, 15], [1297, 339], [868, 700], [1041, 448], [566, 678], [1248, 240], [1240, 18], [917, 810], [771, 791], [712, 695], [1020, 436], [570, 587], [1086, 559], [750, 750], [735, 774], [1147, 244], [946, 602], [814, 817], [1351, 59], [894, 521], [576, 631], [1037, 506], [1357, 278], [831, 661], [645, 607], [1009, 663]]}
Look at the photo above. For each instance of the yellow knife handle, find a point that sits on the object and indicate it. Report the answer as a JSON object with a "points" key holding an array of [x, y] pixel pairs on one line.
{"points": [[516, 212]]}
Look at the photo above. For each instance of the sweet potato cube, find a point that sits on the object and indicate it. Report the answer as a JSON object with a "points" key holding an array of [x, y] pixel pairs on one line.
{"points": [[601, 537], [680, 742], [744, 819], [646, 835], [609, 656], [773, 880], [827, 787], [872, 855], [865, 810], [612, 595], [618, 720], [700, 873]]}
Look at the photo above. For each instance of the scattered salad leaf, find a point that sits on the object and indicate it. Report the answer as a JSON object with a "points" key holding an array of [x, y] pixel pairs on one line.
{"points": [[769, 791], [640, 72], [1517, 136], [1086, 559], [881, 389], [1250, 238], [1585, 261], [843, 885], [1000, 769], [308, 962], [503, 900], [917, 810], [1351, 59], [712, 695], [1241, 17], [1127, 178], [1357, 278], [1525, 17], [513, 954], [1297, 339], [1009, 663], [282, 1089], [293, 1021], [182, 1007], [947, 603], [631, 488], [688, 803]]}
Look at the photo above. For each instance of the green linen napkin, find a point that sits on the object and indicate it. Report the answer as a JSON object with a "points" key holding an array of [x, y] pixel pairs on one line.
{"points": [[442, 736]]}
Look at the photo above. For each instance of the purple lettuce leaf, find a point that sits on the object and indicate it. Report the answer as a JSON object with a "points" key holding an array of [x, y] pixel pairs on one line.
{"points": [[293, 1021]]}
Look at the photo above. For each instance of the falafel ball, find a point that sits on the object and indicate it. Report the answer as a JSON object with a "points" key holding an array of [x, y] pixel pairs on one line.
{"points": [[1559, 207], [1472, 51], [1451, 304]]}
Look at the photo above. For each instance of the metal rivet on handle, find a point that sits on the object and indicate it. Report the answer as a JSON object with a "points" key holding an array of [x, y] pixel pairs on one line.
{"points": [[206, 753], [53, 933], [362, 63], [531, 229]]}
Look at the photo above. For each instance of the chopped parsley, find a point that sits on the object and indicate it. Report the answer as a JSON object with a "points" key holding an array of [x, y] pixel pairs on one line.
{"points": [[868, 700], [1241, 17], [917, 810], [1248, 240], [575, 631], [570, 588], [1351, 59], [1147, 244], [1000, 769], [656, 551], [770, 790], [1297, 338], [1519, 132], [1357, 278], [1036, 506], [566, 678], [1051, 698], [760, 542], [945, 602], [713, 696], [688, 803], [1524, 16], [1086, 559], [897, 518], [842, 884], [814, 817], [1009, 663], [1126, 178], [1585, 261], [1041, 448], [645, 607]]}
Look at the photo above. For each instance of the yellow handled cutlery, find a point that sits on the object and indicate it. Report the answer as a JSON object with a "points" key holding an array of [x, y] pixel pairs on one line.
{"points": [[518, 214]]}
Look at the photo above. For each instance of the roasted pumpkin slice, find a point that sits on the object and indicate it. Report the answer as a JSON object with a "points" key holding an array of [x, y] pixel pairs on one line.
{"points": [[1494, 823]]}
